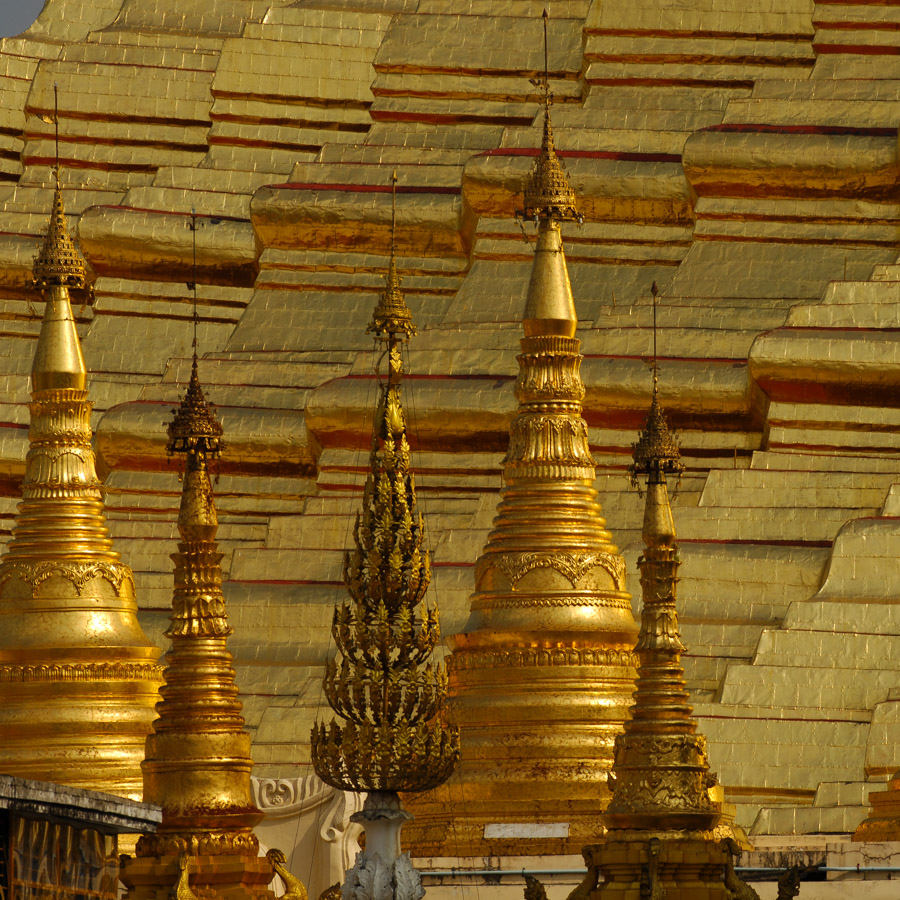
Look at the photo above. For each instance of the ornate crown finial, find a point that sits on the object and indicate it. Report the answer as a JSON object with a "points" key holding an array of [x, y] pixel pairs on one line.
{"points": [[58, 262], [392, 315], [194, 428], [656, 451], [547, 191]]}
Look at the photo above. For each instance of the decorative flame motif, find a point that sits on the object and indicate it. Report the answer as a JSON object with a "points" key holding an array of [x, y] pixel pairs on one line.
{"points": [[384, 686]]}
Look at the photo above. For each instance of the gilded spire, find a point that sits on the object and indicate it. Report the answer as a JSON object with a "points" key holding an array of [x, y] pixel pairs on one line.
{"points": [[70, 631], [198, 762], [198, 758], [660, 778], [391, 696]]}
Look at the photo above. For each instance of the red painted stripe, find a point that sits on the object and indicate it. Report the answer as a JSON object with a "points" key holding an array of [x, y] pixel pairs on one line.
{"points": [[364, 188], [858, 26], [857, 49], [587, 154], [750, 127], [172, 212], [680, 33]]}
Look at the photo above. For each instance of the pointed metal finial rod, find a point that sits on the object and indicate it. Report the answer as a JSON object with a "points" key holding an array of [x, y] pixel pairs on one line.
{"points": [[392, 320], [546, 16], [56, 126], [194, 277], [654, 290], [656, 451], [393, 208]]}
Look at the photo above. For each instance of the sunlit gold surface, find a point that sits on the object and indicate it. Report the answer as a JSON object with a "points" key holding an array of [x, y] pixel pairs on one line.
{"points": [[198, 764], [751, 171], [78, 677], [542, 675], [385, 686]]}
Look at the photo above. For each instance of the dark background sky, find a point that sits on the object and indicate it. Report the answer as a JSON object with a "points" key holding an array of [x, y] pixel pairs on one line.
{"points": [[17, 15]]}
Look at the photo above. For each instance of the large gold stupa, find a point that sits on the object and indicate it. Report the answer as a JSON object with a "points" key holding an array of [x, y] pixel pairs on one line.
{"points": [[78, 677], [198, 764], [541, 676]]}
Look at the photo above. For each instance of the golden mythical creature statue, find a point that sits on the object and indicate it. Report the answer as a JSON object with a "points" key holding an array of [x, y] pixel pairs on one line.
{"points": [[182, 889], [294, 889]]}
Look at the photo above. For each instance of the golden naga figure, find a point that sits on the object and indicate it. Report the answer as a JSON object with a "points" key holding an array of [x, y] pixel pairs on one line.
{"points": [[385, 686], [78, 677]]}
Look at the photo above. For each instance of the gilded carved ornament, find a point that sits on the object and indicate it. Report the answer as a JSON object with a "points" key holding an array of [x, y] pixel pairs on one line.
{"points": [[384, 685], [78, 574], [574, 566]]}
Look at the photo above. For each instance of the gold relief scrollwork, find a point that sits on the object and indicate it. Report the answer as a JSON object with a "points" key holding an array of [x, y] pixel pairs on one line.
{"points": [[660, 791], [210, 843], [528, 601], [531, 657], [77, 574], [549, 376], [549, 439], [573, 566], [651, 751], [105, 672]]}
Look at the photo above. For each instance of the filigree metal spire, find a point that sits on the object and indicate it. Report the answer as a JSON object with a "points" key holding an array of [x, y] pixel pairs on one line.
{"points": [[547, 191], [660, 777], [386, 688]]}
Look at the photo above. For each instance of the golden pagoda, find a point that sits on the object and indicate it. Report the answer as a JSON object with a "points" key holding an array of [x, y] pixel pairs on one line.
{"points": [[542, 676], [78, 676], [883, 821], [665, 833], [391, 696], [198, 764]]}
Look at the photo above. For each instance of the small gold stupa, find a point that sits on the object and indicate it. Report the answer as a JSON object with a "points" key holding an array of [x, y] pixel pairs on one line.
{"points": [[883, 821], [666, 837], [386, 688], [542, 676], [198, 764], [78, 676]]}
